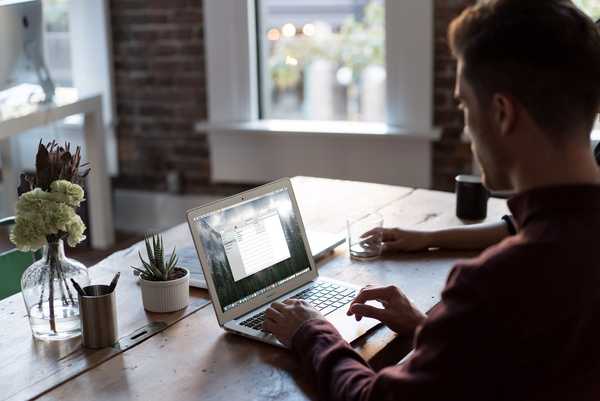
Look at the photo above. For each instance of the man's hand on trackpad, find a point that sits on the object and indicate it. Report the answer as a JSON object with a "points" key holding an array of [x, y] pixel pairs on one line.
{"points": [[398, 313]]}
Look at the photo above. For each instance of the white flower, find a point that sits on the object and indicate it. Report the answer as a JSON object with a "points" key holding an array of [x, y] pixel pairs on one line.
{"points": [[71, 194], [41, 213]]}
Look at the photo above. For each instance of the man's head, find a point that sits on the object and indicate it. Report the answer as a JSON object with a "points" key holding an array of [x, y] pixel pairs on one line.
{"points": [[528, 73]]}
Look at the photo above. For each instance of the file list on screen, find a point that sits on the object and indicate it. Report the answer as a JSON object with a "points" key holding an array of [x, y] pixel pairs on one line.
{"points": [[256, 244]]}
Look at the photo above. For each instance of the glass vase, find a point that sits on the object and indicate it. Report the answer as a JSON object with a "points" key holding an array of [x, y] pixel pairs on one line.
{"points": [[50, 298]]}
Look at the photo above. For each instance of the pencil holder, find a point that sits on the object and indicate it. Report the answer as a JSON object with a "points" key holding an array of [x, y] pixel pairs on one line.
{"points": [[98, 312]]}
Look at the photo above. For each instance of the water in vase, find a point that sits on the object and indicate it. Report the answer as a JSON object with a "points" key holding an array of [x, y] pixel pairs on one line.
{"points": [[66, 321]]}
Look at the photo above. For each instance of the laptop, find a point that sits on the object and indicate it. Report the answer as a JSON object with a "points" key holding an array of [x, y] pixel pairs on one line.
{"points": [[253, 250]]}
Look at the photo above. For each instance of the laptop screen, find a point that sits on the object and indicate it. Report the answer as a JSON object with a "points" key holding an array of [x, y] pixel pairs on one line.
{"points": [[252, 247]]}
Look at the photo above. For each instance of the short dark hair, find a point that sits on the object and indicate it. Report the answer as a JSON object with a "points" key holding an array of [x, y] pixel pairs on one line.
{"points": [[544, 53]]}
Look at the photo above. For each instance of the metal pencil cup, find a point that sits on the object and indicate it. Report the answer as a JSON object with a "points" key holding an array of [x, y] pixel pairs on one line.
{"points": [[98, 312]]}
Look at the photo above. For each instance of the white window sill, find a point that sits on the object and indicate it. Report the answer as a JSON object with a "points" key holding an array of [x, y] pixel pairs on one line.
{"points": [[339, 129], [261, 151]]}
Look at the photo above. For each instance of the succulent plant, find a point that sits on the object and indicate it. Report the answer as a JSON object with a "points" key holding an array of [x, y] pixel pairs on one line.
{"points": [[156, 268]]}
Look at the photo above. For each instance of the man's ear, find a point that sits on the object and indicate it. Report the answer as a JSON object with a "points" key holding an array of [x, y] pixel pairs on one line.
{"points": [[504, 113]]}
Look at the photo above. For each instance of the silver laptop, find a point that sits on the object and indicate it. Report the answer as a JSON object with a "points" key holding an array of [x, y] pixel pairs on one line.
{"points": [[253, 250]]}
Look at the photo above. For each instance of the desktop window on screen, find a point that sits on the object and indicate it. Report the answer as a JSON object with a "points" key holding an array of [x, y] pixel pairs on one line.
{"points": [[253, 247]]}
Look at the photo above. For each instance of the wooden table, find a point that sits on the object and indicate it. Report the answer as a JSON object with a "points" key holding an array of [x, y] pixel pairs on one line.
{"points": [[16, 120], [193, 358]]}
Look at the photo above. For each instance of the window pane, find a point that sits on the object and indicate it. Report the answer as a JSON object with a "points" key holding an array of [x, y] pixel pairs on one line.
{"points": [[322, 59], [57, 49], [591, 7]]}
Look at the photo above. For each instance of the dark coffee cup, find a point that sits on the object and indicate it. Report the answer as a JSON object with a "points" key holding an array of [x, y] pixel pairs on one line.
{"points": [[471, 198]]}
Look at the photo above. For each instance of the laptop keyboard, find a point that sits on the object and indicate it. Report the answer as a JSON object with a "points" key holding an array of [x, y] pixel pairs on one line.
{"points": [[323, 296]]}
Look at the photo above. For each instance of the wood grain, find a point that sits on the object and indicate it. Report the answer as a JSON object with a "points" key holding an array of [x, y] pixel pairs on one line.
{"points": [[201, 361], [29, 367], [195, 359]]}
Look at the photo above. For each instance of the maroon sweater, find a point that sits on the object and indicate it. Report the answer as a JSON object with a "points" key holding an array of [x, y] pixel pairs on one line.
{"points": [[519, 322]]}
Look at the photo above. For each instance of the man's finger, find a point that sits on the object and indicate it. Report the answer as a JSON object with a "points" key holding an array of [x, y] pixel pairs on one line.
{"points": [[386, 234], [374, 293], [273, 314], [371, 241], [269, 325], [278, 306], [361, 310], [374, 231]]}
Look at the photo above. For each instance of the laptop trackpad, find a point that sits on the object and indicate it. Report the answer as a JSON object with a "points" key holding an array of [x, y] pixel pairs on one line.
{"points": [[348, 327]]}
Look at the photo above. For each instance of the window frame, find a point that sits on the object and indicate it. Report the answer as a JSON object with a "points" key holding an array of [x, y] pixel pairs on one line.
{"points": [[246, 149], [232, 50]]}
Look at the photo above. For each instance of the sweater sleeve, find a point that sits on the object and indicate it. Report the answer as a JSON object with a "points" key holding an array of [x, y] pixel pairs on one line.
{"points": [[447, 336], [341, 373]]}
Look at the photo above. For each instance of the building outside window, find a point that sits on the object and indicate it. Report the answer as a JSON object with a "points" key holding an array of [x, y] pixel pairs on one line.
{"points": [[322, 59]]}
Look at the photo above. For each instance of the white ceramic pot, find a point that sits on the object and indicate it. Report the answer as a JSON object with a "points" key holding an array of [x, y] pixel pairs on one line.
{"points": [[166, 296]]}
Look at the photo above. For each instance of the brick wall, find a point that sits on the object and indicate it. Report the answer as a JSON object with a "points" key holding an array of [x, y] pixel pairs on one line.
{"points": [[451, 156], [161, 91]]}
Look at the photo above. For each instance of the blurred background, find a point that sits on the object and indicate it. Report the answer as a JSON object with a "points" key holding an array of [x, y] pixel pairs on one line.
{"points": [[193, 91]]}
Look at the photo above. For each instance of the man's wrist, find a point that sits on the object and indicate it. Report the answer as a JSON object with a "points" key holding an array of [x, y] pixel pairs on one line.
{"points": [[298, 333], [430, 239], [303, 337]]}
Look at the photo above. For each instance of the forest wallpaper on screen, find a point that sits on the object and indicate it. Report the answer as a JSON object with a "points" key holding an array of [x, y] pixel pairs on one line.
{"points": [[212, 225]]}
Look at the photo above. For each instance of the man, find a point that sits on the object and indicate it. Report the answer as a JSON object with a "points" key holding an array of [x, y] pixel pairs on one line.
{"points": [[522, 320]]}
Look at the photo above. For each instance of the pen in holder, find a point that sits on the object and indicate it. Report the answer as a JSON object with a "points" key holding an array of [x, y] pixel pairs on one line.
{"points": [[98, 313]]}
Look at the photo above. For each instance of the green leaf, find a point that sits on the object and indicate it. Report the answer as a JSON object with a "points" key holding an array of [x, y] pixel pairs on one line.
{"points": [[149, 250], [173, 259], [152, 270], [142, 272], [161, 256]]}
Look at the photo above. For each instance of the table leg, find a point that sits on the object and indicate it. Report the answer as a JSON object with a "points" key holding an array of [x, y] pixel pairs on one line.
{"points": [[9, 154], [99, 188]]}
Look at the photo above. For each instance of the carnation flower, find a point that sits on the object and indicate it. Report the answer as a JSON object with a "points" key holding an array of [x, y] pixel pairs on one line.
{"points": [[72, 194], [41, 214], [75, 229]]}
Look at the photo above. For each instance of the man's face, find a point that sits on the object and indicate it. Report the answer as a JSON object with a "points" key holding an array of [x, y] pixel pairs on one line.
{"points": [[479, 126]]}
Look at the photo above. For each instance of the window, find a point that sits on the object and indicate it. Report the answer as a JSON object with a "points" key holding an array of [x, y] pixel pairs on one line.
{"points": [[57, 48], [322, 59], [590, 7], [249, 144]]}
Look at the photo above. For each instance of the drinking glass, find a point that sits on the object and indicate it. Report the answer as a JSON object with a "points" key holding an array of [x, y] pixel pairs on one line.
{"points": [[365, 235]]}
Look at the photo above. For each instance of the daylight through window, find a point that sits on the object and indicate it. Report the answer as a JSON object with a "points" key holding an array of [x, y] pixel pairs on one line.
{"points": [[322, 59]]}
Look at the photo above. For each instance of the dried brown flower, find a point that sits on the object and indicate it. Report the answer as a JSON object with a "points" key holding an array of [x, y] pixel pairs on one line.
{"points": [[54, 162]]}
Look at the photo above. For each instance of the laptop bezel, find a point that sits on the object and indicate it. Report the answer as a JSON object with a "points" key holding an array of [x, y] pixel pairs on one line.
{"points": [[241, 310]]}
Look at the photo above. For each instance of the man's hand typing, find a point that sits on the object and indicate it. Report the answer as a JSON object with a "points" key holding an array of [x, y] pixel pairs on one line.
{"points": [[398, 313], [284, 319]]}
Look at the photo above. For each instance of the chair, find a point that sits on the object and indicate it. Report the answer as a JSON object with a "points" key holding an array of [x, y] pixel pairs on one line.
{"points": [[12, 265]]}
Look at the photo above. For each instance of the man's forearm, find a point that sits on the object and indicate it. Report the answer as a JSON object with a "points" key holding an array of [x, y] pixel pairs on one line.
{"points": [[340, 372], [474, 237]]}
